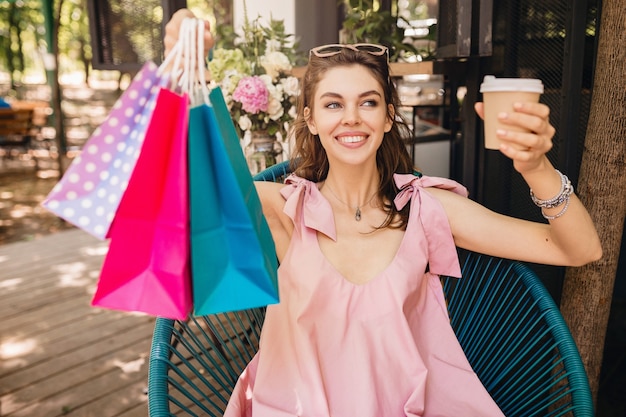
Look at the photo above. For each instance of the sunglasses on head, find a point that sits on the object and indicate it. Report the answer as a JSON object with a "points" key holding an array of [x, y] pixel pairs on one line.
{"points": [[325, 51]]}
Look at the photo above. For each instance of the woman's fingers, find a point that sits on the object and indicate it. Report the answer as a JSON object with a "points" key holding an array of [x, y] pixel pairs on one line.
{"points": [[533, 117], [480, 109], [537, 109], [208, 37], [525, 141], [173, 27], [527, 149]]}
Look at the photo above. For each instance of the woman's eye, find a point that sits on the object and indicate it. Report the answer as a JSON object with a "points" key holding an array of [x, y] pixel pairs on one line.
{"points": [[333, 105], [370, 103]]}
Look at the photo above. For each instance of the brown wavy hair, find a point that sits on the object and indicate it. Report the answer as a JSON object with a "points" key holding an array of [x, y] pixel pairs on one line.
{"points": [[309, 157]]}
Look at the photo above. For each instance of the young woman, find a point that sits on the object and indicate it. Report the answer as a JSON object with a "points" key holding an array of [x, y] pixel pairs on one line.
{"points": [[362, 327]]}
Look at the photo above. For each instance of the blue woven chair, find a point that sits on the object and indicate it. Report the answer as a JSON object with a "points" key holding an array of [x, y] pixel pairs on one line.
{"points": [[507, 323]]}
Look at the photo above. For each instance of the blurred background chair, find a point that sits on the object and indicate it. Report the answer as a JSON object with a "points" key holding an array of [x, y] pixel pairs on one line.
{"points": [[506, 321]]}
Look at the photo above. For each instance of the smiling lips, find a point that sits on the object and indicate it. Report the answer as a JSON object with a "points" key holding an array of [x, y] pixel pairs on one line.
{"points": [[351, 139]]}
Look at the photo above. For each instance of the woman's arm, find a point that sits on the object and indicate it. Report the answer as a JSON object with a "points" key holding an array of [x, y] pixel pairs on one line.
{"points": [[280, 224], [571, 242], [569, 238]]}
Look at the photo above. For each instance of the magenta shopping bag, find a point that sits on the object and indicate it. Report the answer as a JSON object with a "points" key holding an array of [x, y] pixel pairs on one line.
{"points": [[147, 266], [90, 190]]}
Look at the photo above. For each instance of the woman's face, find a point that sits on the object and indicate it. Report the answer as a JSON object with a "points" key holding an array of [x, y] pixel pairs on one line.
{"points": [[349, 114]]}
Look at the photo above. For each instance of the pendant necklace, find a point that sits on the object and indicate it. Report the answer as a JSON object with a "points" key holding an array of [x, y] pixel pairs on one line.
{"points": [[357, 212]]}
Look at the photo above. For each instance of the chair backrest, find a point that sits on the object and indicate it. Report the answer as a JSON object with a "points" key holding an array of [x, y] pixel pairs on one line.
{"points": [[515, 337], [510, 328]]}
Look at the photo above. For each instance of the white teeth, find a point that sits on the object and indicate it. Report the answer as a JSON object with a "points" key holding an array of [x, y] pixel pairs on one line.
{"points": [[351, 139]]}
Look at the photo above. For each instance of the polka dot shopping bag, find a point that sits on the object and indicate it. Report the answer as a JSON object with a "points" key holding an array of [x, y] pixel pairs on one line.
{"points": [[90, 191]]}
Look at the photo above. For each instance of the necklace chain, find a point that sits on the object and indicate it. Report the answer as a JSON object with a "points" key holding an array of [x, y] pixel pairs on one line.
{"points": [[357, 212]]}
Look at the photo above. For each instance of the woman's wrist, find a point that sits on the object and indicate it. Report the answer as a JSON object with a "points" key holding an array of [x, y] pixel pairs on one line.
{"points": [[560, 199]]}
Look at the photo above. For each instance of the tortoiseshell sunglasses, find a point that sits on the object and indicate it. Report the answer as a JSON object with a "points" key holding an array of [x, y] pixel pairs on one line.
{"points": [[325, 51]]}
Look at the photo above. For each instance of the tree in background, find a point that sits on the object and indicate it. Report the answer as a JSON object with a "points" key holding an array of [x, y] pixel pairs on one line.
{"points": [[587, 291], [73, 36], [20, 24], [22, 29]]}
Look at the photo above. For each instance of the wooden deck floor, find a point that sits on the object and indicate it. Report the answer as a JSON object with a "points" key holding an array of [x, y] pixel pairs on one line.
{"points": [[58, 355]]}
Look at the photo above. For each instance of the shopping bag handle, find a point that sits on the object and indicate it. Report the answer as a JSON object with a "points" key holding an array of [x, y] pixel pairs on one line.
{"points": [[199, 95], [185, 62], [172, 64]]}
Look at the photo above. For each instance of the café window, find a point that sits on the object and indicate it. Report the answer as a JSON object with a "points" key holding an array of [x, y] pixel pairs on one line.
{"points": [[127, 33]]}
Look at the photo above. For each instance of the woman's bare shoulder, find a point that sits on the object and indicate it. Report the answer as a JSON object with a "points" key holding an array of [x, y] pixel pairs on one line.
{"points": [[271, 198], [273, 203], [269, 189]]}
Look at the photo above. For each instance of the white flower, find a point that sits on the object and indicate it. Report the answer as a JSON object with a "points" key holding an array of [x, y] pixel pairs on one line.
{"points": [[274, 63], [275, 108], [230, 81], [246, 139], [272, 45], [275, 90], [278, 92], [293, 112], [267, 79], [244, 122], [290, 86], [273, 68]]}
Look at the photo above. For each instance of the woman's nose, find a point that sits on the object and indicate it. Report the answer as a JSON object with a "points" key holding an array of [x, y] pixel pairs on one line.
{"points": [[351, 116]]}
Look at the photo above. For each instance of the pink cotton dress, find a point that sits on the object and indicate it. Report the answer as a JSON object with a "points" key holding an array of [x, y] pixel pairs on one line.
{"points": [[381, 349]]}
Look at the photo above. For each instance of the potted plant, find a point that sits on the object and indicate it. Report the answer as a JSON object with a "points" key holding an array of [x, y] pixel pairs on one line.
{"points": [[365, 22], [260, 91]]}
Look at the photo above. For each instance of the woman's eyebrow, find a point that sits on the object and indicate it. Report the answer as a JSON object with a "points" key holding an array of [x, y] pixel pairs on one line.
{"points": [[364, 94], [369, 93]]}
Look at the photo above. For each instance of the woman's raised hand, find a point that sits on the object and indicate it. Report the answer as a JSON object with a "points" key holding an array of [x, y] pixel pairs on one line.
{"points": [[526, 149], [172, 29]]}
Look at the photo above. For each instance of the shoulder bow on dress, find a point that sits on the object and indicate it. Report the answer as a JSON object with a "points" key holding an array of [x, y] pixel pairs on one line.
{"points": [[442, 254]]}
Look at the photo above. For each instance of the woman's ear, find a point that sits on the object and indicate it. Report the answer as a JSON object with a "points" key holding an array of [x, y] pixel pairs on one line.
{"points": [[309, 121], [391, 117]]}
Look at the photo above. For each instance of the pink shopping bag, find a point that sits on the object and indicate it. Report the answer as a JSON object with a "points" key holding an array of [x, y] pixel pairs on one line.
{"points": [[90, 191], [147, 266]]}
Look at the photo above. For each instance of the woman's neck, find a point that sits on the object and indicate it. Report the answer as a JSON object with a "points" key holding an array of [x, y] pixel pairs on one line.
{"points": [[354, 188]]}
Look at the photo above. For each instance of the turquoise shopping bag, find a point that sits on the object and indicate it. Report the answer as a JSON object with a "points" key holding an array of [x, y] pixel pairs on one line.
{"points": [[233, 259]]}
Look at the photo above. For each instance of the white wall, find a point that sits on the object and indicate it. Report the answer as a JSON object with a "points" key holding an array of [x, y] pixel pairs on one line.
{"points": [[314, 22], [276, 9]]}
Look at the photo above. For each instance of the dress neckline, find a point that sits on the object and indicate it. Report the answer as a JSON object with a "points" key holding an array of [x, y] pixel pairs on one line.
{"points": [[384, 272]]}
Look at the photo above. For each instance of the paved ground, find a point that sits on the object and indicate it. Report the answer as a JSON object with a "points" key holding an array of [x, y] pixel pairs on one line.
{"points": [[21, 216], [58, 355]]}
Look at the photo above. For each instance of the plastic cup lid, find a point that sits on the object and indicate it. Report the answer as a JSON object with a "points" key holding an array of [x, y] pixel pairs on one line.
{"points": [[493, 84]]}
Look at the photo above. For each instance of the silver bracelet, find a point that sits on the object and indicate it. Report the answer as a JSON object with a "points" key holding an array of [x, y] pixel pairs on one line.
{"points": [[559, 214], [562, 197]]}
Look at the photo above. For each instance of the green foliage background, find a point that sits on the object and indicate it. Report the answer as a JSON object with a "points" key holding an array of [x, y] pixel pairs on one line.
{"points": [[22, 30], [23, 38]]}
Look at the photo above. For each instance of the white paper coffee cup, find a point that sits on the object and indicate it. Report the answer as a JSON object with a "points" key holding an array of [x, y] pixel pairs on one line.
{"points": [[499, 94]]}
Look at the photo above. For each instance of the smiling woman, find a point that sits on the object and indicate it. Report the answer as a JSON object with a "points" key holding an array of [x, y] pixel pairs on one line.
{"points": [[362, 240]]}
